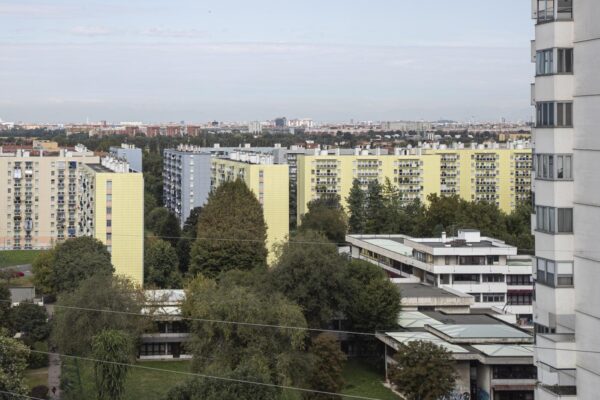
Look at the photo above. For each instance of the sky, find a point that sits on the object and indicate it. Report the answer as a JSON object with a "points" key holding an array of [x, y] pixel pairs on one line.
{"points": [[242, 60]]}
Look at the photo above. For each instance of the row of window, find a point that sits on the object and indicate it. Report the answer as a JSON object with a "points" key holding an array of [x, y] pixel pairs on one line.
{"points": [[554, 114], [545, 63], [554, 273], [554, 220], [554, 166], [489, 297], [554, 10]]}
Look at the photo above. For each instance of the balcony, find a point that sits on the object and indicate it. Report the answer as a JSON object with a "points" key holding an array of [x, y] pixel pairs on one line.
{"points": [[552, 10]]}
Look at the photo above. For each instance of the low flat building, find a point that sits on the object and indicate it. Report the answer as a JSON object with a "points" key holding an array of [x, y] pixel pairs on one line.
{"points": [[493, 359], [486, 268], [421, 297]]}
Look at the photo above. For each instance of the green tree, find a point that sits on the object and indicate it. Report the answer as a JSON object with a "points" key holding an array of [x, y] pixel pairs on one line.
{"points": [[375, 209], [357, 201], [156, 217], [424, 371], [373, 301], [164, 225], [5, 302], [310, 272], [13, 362], [190, 227], [244, 350], [43, 276], [329, 362], [327, 216], [71, 262], [231, 232], [161, 265], [75, 322], [188, 236], [32, 321], [114, 349]]}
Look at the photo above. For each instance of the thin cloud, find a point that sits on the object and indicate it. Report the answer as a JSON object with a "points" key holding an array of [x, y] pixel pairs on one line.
{"points": [[28, 9], [173, 33], [91, 31]]}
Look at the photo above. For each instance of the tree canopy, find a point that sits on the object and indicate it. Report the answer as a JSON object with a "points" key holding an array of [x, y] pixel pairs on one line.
{"points": [[310, 272], [424, 371], [13, 362], [357, 201], [31, 320], [114, 349], [329, 360], [62, 268], [327, 216], [161, 266], [74, 328], [231, 232]]}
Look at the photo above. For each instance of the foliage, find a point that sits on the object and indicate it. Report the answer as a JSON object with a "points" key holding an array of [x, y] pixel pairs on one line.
{"points": [[329, 362], [74, 327], [310, 272], [114, 349], [38, 358], [231, 232], [161, 265], [357, 201], [190, 227], [424, 371], [39, 392], [70, 262], [244, 351], [327, 216], [5, 303], [373, 300], [188, 236], [13, 362], [375, 208], [164, 225], [31, 320], [153, 184]]}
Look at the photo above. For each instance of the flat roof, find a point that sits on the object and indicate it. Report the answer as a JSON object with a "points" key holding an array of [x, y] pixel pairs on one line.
{"points": [[462, 319], [391, 244], [481, 331], [415, 319], [416, 289], [99, 168], [452, 244], [504, 350], [407, 337]]}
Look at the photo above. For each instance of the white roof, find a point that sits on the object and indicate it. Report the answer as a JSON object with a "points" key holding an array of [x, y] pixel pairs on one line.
{"points": [[391, 245], [407, 337], [415, 319], [503, 350], [483, 331]]}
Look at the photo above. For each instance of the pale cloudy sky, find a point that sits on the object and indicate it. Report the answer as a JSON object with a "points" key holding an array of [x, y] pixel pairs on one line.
{"points": [[198, 60]]}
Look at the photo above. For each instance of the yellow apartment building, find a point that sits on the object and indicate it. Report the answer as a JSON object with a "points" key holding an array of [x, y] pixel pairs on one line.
{"points": [[498, 175], [268, 181], [112, 211]]}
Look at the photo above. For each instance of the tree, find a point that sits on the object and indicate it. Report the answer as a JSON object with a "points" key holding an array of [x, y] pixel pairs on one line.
{"points": [[164, 225], [327, 216], [5, 302], [424, 371], [357, 200], [43, 276], [70, 263], [161, 265], [329, 362], [310, 272], [190, 227], [375, 209], [231, 232], [244, 351], [13, 362], [32, 321], [373, 301], [114, 349], [75, 323], [188, 236]]}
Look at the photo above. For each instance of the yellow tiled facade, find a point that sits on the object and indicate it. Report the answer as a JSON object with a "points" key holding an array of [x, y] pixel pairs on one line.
{"points": [[270, 184], [501, 176]]}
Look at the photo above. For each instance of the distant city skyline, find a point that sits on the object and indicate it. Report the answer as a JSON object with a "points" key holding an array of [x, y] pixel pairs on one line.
{"points": [[152, 61]]}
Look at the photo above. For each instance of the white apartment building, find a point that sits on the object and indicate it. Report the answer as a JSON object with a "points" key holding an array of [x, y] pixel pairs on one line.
{"points": [[485, 268], [566, 95]]}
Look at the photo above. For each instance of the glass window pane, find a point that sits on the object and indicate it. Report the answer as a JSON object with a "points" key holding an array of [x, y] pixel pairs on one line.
{"points": [[552, 218], [568, 160], [551, 166], [569, 114]]}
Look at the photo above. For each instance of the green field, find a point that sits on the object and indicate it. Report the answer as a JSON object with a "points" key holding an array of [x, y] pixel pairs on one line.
{"points": [[9, 258], [363, 380], [36, 377]]}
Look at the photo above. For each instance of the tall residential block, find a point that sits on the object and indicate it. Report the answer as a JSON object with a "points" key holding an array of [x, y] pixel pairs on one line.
{"points": [[498, 175], [112, 211], [129, 153], [566, 96], [267, 180]]}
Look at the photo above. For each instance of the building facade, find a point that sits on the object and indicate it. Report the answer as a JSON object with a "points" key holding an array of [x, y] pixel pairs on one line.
{"points": [[485, 268], [112, 210], [566, 96], [498, 175], [267, 180], [129, 153]]}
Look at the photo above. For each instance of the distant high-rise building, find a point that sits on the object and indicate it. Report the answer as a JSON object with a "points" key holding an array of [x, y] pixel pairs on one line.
{"points": [[254, 127], [281, 122], [566, 96], [129, 153]]}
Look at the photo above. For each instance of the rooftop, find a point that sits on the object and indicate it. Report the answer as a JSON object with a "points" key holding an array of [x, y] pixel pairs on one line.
{"points": [[481, 331], [421, 290]]}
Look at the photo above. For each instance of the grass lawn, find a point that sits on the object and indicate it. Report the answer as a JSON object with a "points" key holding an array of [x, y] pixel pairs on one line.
{"points": [[9, 258], [141, 383], [36, 377], [363, 380]]}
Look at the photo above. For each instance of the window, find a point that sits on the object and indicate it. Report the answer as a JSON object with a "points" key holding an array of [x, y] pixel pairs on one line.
{"points": [[108, 185], [466, 278], [108, 223], [518, 280], [554, 166], [553, 114], [554, 220], [554, 273], [493, 297], [565, 61], [108, 210], [544, 62], [554, 10], [493, 278], [471, 260]]}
